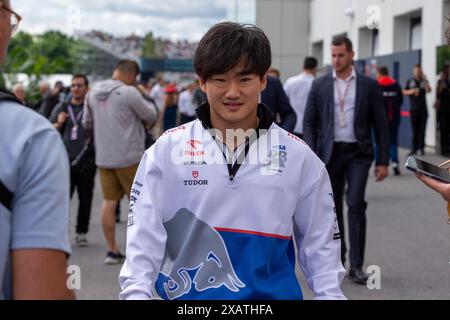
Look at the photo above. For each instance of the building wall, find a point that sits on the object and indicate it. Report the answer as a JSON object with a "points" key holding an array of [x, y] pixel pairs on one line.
{"points": [[328, 18], [286, 23]]}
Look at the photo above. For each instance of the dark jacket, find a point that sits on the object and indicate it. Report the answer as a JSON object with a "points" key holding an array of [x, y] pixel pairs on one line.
{"points": [[80, 151], [276, 99], [393, 99], [369, 113]]}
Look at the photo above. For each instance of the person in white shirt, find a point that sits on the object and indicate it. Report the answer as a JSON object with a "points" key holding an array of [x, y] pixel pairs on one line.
{"points": [[297, 89], [186, 104], [157, 93], [218, 203]]}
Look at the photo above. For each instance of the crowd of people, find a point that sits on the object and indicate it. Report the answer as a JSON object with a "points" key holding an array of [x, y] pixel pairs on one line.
{"points": [[130, 47], [225, 222]]}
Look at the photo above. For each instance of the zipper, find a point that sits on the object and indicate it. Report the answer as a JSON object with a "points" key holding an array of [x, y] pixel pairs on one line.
{"points": [[233, 169]]}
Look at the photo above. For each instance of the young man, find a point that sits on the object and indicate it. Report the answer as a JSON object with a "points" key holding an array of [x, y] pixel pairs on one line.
{"points": [[34, 196], [66, 117], [216, 220], [344, 109], [115, 111], [417, 88], [297, 89], [186, 105]]}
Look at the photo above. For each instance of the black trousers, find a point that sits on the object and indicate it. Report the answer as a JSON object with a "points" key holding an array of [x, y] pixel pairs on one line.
{"points": [[348, 166], [444, 128], [83, 181], [418, 123]]}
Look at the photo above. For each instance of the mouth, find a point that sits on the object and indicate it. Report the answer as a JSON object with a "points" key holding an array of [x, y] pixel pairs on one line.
{"points": [[233, 106]]}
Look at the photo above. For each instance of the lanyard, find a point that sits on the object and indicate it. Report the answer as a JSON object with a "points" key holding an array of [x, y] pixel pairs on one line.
{"points": [[72, 116], [342, 99]]}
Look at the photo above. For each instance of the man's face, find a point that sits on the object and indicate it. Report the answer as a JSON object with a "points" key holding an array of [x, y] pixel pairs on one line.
{"points": [[44, 88], [130, 79], [233, 96], [342, 58], [5, 29], [19, 92], [446, 72], [417, 72], [78, 88]]}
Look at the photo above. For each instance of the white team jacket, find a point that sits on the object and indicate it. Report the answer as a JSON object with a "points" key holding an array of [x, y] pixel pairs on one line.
{"points": [[199, 230]]}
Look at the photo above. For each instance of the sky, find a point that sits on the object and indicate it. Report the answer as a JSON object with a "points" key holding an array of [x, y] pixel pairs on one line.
{"points": [[172, 19]]}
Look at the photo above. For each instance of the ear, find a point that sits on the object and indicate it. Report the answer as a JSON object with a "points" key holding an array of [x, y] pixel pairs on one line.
{"points": [[202, 84], [263, 83], [352, 54]]}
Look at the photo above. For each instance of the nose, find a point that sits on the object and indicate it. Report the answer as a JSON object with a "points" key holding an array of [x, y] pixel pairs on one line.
{"points": [[233, 90]]}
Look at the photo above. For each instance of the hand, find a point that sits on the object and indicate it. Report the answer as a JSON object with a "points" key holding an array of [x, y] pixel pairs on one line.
{"points": [[437, 105], [381, 172], [142, 89], [62, 117], [442, 188]]}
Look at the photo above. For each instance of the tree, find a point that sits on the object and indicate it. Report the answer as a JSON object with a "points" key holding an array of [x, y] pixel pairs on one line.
{"points": [[149, 46], [49, 53]]}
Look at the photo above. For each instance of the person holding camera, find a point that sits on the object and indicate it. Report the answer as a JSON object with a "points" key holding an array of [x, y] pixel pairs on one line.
{"points": [[66, 117]]}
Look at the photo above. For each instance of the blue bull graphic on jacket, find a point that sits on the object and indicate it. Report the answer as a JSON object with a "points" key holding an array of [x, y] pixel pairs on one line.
{"points": [[209, 261]]}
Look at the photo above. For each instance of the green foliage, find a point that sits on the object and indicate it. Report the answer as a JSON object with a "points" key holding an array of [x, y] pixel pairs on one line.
{"points": [[149, 46], [49, 53]]}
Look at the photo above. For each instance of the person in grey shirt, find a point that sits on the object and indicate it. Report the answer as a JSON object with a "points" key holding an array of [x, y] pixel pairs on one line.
{"points": [[34, 179], [117, 112]]}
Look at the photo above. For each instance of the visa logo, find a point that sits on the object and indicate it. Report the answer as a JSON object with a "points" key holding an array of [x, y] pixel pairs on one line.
{"points": [[279, 147]]}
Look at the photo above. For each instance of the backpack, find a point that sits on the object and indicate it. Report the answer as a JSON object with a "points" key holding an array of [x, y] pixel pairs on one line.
{"points": [[6, 196]]}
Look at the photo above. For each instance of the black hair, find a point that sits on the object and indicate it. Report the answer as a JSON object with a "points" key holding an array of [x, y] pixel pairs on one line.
{"points": [[128, 66], [82, 76], [227, 44], [383, 70], [310, 63], [343, 40]]}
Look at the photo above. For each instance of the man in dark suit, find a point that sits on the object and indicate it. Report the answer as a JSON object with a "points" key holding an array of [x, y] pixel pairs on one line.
{"points": [[343, 108], [276, 99]]}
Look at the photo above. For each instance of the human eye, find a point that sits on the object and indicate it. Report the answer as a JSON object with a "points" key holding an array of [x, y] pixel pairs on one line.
{"points": [[245, 79], [218, 80]]}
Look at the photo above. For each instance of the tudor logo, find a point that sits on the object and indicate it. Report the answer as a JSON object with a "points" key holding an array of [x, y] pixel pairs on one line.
{"points": [[195, 174], [193, 143]]}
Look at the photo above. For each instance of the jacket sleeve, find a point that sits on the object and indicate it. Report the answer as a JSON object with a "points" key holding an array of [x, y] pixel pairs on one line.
{"points": [[55, 113], [311, 119], [146, 235], [144, 109], [287, 114], [318, 239], [398, 110], [380, 123], [88, 120]]}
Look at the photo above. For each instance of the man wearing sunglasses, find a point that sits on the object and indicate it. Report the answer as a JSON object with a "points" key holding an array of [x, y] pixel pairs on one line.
{"points": [[34, 196], [66, 117]]}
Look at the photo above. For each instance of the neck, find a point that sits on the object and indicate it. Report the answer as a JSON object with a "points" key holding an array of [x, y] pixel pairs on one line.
{"points": [[234, 133], [309, 72], [345, 73]]}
